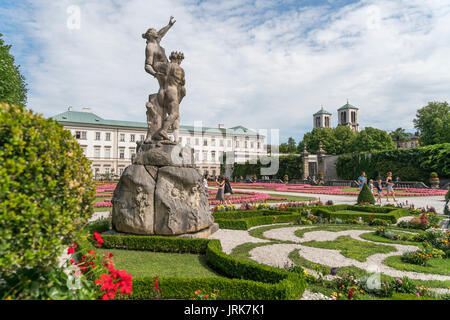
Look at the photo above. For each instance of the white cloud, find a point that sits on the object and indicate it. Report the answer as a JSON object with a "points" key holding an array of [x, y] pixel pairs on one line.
{"points": [[246, 62]]}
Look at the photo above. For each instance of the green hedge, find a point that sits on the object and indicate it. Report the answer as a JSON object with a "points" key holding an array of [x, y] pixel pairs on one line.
{"points": [[243, 279], [155, 243], [409, 164], [385, 213], [243, 220]]}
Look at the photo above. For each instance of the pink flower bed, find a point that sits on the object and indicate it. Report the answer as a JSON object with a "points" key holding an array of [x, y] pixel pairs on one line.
{"points": [[334, 190], [106, 188], [106, 203]]}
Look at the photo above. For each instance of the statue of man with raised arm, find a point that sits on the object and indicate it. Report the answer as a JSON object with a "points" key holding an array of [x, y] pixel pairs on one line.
{"points": [[156, 64]]}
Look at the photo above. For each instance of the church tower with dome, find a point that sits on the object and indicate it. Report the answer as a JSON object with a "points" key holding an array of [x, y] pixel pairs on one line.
{"points": [[347, 116]]}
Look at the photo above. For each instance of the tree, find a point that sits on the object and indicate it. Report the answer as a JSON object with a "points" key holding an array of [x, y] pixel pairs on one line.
{"points": [[371, 140], [346, 139], [313, 138], [289, 147], [365, 195], [399, 135], [433, 123], [12, 83]]}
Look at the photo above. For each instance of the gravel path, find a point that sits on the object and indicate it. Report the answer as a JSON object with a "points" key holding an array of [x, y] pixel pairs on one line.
{"points": [[230, 239], [277, 254]]}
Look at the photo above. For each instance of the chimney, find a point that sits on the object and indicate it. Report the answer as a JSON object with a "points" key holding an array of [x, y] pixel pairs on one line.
{"points": [[70, 108], [86, 109]]}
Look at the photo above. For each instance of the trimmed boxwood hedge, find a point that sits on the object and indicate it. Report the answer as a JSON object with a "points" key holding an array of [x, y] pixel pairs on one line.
{"points": [[385, 213], [243, 220], [246, 280]]}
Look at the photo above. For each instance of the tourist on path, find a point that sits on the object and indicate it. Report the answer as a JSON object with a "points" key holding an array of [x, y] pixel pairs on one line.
{"points": [[371, 185], [220, 189], [361, 180], [379, 189], [228, 191], [205, 182], [390, 187]]}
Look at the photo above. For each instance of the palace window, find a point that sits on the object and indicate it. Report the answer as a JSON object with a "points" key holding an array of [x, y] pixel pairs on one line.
{"points": [[81, 135], [107, 153], [122, 153], [108, 136], [122, 137], [132, 138], [97, 136], [97, 152]]}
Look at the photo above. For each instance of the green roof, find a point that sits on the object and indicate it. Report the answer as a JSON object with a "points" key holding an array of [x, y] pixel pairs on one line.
{"points": [[89, 118], [321, 111], [347, 106]]}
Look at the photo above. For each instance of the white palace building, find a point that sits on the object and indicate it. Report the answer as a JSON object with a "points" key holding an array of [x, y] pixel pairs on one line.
{"points": [[110, 144]]}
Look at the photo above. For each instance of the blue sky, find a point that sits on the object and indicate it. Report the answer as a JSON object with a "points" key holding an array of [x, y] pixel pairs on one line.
{"points": [[262, 64]]}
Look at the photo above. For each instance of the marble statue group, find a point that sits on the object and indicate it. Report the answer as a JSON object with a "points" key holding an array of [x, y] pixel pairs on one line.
{"points": [[163, 107], [161, 192]]}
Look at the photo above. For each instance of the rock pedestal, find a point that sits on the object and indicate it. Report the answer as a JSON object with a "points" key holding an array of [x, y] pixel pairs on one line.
{"points": [[162, 193]]}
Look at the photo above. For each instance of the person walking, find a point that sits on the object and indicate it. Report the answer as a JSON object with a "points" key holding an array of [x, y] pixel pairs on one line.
{"points": [[205, 182], [361, 180], [228, 191], [220, 189], [379, 189], [390, 187]]}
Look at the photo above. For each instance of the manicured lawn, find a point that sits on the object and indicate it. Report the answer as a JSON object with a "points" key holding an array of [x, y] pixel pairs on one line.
{"points": [[437, 266], [373, 237], [351, 248], [290, 198], [151, 264], [102, 199], [102, 209]]}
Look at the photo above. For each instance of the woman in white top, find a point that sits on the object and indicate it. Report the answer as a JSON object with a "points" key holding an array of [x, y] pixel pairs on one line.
{"points": [[205, 182]]}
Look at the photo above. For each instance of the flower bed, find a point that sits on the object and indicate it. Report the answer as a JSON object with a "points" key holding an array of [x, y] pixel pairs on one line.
{"points": [[250, 197], [333, 190]]}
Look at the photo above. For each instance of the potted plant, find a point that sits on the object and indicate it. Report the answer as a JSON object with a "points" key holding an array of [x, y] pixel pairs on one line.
{"points": [[434, 180]]}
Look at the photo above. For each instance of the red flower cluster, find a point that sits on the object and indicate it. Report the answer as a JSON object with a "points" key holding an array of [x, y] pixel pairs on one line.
{"points": [[98, 238], [114, 281], [87, 262], [71, 249], [156, 288]]}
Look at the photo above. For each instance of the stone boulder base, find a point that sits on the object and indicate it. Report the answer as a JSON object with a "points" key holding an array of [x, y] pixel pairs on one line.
{"points": [[133, 201], [181, 205], [161, 200]]}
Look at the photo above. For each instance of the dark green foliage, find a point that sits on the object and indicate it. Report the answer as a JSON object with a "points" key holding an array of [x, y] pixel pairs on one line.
{"points": [[372, 140], [246, 279], [289, 147], [342, 140], [12, 83], [291, 165], [367, 213], [409, 164], [243, 220], [433, 122], [46, 189], [399, 135], [365, 195], [155, 243]]}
